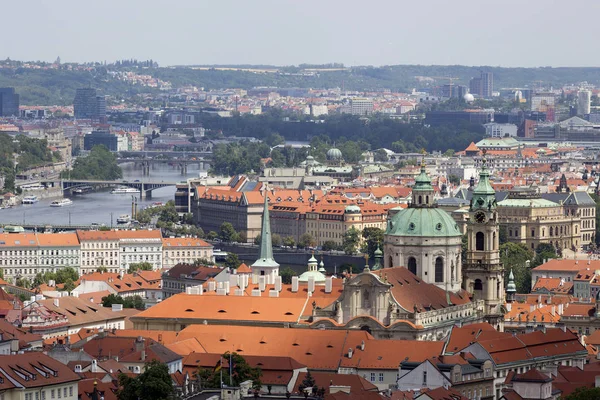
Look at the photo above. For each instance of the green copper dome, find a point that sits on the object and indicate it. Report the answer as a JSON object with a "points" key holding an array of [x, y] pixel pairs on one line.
{"points": [[432, 222]]}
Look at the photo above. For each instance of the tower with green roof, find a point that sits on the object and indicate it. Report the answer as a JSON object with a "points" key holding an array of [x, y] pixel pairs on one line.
{"points": [[483, 271], [265, 265], [424, 239], [511, 288]]}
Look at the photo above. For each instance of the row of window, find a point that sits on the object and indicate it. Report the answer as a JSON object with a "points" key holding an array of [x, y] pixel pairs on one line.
{"points": [[54, 394]]}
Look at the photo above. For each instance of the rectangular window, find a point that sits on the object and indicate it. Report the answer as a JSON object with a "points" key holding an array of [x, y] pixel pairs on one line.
{"points": [[372, 376], [424, 378], [381, 377], [70, 391], [52, 393], [65, 392]]}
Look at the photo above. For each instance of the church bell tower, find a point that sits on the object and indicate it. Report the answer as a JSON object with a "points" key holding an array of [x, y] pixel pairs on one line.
{"points": [[483, 271]]}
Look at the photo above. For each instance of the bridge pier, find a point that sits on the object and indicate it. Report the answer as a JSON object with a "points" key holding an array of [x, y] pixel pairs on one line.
{"points": [[183, 168]]}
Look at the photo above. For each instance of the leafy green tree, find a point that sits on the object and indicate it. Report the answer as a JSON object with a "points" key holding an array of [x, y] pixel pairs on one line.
{"points": [[286, 275], [141, 266], [108, 301], [502, 235], [68, 286], [276, 240], [289, 241], [381, 156], [241, 237], [242, 372], [102, 268], [232, 261], [100, 164], [544, 251], [307, 383], [66, 273], [227, 233], [351, 240], [373, 238], [134, 302], [257, 239], [306, 240], [330, 245], [584, 393], [515, 257], [453, 179], [188, 218], [212, 235], [154, 383], [168, 213]]}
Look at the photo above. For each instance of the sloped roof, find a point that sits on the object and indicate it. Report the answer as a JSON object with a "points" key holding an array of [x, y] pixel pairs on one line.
{"points": [[411, 292]]}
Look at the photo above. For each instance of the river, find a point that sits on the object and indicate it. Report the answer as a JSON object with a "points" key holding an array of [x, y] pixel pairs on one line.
{"points": [[97, 207]]}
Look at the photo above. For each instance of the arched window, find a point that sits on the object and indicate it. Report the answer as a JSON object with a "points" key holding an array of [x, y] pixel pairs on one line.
{"points": [[439, 269], [479, 241], [478, 285], [551, 231], [427, 199], [412, 265], [390, 262], [420, 200]]}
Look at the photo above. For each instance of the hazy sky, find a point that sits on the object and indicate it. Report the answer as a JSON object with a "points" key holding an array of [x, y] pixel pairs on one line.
{"points": [[284, 32]]}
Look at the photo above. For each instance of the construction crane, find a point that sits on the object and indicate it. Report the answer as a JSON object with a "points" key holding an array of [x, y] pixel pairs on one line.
{"points": [[449, 79]]}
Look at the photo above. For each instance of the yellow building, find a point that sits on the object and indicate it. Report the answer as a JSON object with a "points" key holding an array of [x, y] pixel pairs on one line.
{"points": [[531, 220]]}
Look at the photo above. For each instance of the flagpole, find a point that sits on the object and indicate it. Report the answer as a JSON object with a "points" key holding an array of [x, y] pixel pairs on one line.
{"points": [[221, 370]]}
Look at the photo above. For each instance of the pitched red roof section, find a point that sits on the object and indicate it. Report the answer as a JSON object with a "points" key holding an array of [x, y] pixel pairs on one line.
{"points": [[411, 292]]}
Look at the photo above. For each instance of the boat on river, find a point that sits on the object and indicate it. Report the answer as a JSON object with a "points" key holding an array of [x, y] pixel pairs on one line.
{"points": [[61, 203]]}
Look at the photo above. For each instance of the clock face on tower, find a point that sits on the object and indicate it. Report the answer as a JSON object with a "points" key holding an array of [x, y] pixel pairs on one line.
{"points": [[480, 217]]}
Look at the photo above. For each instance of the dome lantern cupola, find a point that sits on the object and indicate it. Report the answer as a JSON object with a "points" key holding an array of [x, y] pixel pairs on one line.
{"points": [[422, 191]]}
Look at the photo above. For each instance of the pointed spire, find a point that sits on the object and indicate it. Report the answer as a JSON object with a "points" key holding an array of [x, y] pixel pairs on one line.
{"points": [[484, 195], [265, 258], [511, 288], [366, 269]]}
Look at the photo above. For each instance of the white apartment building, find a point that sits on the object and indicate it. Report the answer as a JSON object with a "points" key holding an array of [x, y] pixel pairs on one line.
{"points": [[140, 246], [99, 249], [495, 129]]}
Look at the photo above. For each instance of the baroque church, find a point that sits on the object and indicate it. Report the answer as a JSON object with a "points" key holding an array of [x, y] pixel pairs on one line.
{"points": [[425, 288]]}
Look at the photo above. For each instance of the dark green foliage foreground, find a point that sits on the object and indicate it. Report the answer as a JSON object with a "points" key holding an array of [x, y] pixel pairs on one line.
{"points": [[153, 384]]}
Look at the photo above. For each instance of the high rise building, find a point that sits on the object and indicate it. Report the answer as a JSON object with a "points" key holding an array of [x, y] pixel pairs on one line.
{"points": [[487, 84], [9, 102], [584, 102], [88, 105], [483, 86]]}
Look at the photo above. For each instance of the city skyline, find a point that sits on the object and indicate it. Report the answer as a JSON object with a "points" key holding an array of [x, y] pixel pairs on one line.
{"points": [[286, 33]]}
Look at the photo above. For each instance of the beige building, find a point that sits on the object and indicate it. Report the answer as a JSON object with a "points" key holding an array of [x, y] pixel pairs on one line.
{"points": [[532, 220], [185, 251], [333, 216]]}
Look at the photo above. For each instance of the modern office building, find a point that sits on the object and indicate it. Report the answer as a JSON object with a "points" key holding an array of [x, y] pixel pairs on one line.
{"points": [[88, 105], [100, 137], [473, 116], [584, 102], [9, 102], [483, 86]]}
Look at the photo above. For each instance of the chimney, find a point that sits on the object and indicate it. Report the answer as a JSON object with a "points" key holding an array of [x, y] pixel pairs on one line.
{"points": [[139, 343], [350, 353], [262, 284], [226, 287], [294, 284], [94, 366], [273, 293], [328, 284], [362, 345], [255, 293], [311, 284], [233, 280], [238, 292], [212, 286], [143, 355], [508, 306], [278, 283]]}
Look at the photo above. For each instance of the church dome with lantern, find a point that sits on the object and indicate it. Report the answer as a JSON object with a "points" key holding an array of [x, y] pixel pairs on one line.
{"points": [[425, 239]]}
